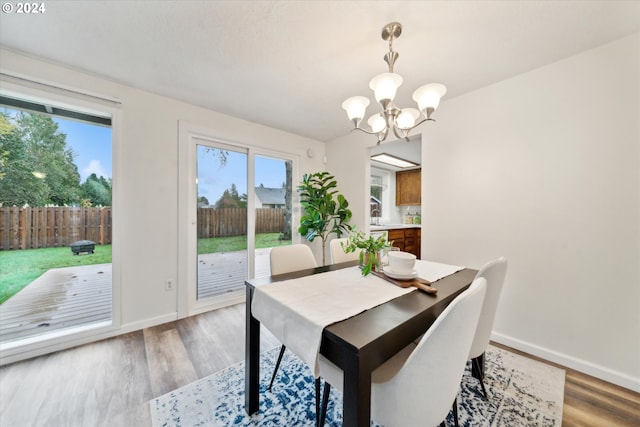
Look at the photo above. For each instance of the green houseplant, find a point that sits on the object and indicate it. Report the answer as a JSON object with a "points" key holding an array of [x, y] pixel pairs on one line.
{"points": [[370, 248], [325, 210]]}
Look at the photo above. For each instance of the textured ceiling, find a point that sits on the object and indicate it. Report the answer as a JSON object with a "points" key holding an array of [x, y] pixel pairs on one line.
{"points": [[290, 64]]}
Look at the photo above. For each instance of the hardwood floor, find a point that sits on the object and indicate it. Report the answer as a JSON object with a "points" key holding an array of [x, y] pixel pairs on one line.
{"points": [[591, 402], [109, 383]]}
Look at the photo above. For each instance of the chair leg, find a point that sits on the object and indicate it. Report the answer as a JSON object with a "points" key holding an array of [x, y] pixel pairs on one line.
{"points": [[275, 370], [455, 412], [325, 403], [477, 371]]}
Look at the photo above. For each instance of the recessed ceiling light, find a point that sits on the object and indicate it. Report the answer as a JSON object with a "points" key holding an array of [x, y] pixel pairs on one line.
{"points": [[393, 160]]}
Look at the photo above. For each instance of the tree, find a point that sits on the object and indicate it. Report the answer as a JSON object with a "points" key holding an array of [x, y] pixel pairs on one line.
{"points": [[288, 188], [231, 199], [19, 184], [37, 166], [96, 191]]}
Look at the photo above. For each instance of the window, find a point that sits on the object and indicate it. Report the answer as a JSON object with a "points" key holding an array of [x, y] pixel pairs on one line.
{"points": [[375, 202], [56, 204]]}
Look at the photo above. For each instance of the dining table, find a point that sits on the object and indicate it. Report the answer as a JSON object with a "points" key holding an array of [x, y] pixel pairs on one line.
{"points": [[360, 343]]}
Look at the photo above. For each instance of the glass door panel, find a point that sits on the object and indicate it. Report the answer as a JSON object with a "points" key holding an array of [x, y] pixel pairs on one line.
{"points": [[222, 262], [273, 194], [55, 239]]}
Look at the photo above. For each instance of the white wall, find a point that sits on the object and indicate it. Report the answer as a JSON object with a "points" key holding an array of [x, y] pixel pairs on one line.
{"points": [[544, 169], [147, 223]]}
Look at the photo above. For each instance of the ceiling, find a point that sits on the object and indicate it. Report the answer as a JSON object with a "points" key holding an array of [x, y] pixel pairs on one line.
{"points": [[290, 64]]}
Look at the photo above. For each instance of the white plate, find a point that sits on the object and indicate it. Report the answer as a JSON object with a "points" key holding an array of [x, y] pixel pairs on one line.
{"points": [[399, 276]]}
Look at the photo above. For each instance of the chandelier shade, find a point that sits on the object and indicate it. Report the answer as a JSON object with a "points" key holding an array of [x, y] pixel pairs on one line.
{"points": [[385, 87], [377, 123], [356, 107], [428, 96], [407, 118]]}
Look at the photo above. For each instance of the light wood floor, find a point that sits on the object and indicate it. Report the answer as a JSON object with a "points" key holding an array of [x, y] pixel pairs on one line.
{"points": [[109, 383]]}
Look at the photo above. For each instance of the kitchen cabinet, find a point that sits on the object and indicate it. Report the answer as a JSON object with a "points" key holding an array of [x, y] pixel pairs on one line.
{"points": [[408, 187], [406, 239]]}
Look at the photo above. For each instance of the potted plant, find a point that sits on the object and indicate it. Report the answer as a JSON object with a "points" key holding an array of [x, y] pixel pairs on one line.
{"points": [[325, 210], [370, 249]]}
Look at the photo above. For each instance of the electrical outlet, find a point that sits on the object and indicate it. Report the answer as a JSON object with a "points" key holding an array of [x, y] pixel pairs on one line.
{"points": [[168, 285]]}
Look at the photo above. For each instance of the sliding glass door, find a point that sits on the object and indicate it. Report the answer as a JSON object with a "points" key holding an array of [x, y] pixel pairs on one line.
{"points": [[239, 206]]}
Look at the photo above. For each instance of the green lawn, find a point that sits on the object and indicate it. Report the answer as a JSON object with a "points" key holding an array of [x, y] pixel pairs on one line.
{"points": [[20, 267], [238, 243]]}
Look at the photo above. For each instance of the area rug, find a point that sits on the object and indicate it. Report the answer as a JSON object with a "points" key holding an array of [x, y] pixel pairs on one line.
{"points": [[522, 392]]}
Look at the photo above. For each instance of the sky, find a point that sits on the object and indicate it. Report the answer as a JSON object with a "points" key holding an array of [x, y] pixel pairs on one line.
{"points": [[91, 145], [213, 178]]}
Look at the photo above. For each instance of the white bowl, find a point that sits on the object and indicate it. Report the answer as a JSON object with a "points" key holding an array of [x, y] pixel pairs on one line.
{"points": [[402, 262]]}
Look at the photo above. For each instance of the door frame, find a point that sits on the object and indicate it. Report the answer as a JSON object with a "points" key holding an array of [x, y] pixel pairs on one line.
{"points": [[188, 137]]}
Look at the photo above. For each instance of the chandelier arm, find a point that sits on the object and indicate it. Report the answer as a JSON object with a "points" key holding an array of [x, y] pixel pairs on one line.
{"points": [[364, 130], [419, 123], [395, 131]]}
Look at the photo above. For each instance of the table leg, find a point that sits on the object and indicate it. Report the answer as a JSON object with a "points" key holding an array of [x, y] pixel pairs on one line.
{"points": [[357, 394], [251, 358]]}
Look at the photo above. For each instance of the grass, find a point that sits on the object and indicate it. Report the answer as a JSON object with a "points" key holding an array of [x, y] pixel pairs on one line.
{"points": [[18, 268], [239, 243]]}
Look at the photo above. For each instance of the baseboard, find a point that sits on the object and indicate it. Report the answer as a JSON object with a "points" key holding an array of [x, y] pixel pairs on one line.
{"points": [[147, 323], [601, 372]]}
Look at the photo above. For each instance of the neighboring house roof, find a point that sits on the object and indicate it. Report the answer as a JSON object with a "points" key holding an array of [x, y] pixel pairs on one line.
{"points": [[270, 196]]}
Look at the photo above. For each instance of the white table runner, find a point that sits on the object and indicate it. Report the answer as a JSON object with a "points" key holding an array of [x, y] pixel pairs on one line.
{"points": [[433, 271], [297, 310]]}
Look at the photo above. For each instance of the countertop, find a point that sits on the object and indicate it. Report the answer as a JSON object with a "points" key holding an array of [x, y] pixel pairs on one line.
{"points": [[393, 226]]}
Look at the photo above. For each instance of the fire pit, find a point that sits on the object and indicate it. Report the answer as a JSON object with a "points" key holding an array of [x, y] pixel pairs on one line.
{"points": [[83, 246]]}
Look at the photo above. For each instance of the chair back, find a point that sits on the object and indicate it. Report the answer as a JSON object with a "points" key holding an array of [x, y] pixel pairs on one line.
{"points": [[422, 391], [494, 272], [338, 254], [285, 259]]}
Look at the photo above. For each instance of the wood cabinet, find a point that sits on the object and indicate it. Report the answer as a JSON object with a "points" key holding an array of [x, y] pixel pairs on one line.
{"points": [[408, 187], [406, 239]]}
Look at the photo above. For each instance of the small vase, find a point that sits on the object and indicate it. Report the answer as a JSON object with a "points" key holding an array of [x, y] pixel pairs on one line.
{"points": [[377, 266]]}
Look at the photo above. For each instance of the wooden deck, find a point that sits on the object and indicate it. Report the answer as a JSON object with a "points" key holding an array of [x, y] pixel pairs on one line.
{"points": [[61, 298], [76, 296], [222, 273]]}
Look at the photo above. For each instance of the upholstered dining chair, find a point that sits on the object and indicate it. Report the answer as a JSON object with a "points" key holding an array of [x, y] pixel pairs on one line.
{"points": [[338, 254], [417, 386], [285, 259], [494, 272]]}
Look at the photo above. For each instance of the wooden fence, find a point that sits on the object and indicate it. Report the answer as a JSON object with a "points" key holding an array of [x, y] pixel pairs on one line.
{"points": [[46, 227], [233, 221]]}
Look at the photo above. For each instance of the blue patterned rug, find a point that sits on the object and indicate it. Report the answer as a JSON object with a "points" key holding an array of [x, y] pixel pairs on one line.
{"points": [[522, 392]]}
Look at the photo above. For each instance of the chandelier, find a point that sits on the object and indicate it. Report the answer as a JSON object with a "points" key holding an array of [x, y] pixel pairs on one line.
{"points": [[385, 86]]}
